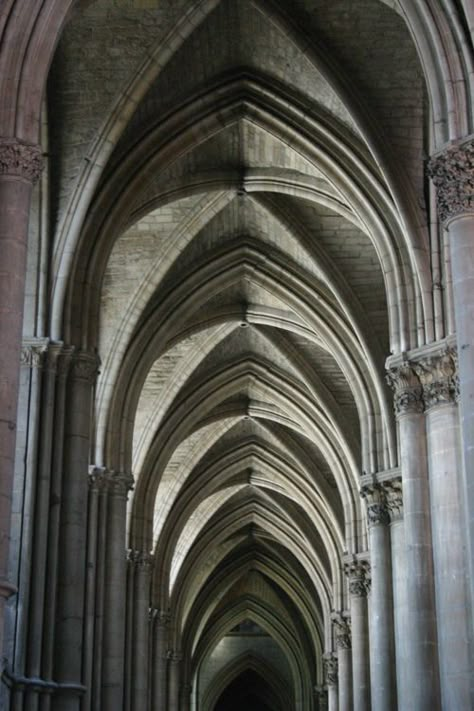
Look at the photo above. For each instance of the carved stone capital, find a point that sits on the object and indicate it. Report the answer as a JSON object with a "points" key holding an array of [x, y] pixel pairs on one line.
{"points": [[407, 390], [330, 669], [452, 173], [162, 618], [140, 559], [20, 160], [85, 366], [321, 695], [359, 578], [342, 632], [33, 354], [377, 509], [106, 480], [174, 656], [438, 375], [394, 498]]}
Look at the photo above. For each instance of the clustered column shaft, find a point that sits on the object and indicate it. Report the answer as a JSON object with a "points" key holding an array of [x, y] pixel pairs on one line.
{"points": [[358, 587], [20, 168], [344, 662], [420, 688], [381, 627], [452, 172], [331, 678]]}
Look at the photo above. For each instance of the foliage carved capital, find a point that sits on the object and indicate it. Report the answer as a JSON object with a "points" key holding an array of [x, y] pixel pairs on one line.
{"points": [[452, 173], [21, 160]]}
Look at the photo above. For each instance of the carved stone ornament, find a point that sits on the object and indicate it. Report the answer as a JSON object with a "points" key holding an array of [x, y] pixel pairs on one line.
{"points": [[439, 378], [377, 509], [103, 479], [173, 656], [21, 160], [343, 633], [407, 389], [141, 559], [452, 173], [359, 579], [321, 695], [85, 366], [330, 670], [33, 355], [394, 498], [162, 618], [358, 587]]}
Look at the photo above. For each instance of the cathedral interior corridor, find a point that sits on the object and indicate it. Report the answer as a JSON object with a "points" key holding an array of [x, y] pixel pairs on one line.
{"points": [[237, 355]]}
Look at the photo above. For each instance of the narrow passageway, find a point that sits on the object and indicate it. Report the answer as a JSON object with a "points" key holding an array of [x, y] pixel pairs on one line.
{"points": [[235, 364]]}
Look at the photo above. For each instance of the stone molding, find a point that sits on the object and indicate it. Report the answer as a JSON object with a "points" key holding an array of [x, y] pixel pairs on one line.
{"points": [[330, 669], [20, 160], [452, 173]]}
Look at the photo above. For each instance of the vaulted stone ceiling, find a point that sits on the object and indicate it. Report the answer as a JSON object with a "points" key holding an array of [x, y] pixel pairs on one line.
{"points": [[238, 195]]}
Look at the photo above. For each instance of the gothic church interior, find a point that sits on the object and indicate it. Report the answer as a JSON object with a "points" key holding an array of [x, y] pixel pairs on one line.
{"points": [[236, 355]]}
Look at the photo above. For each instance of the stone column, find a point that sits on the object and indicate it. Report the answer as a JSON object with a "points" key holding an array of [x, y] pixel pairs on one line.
{"points": [[143, 564], [186, 691], [160, 646], [73, 533], [438, 376], [174, 668], [20, 168], [358, 587], [344, 662], [330, 675], [419, 690], [394, 499], [381, 631], [452, 172], [64, 361], [113, 646]]}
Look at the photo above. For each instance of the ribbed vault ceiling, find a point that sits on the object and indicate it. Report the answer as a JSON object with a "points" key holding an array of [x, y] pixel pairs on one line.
{"points": [[244, 266]]}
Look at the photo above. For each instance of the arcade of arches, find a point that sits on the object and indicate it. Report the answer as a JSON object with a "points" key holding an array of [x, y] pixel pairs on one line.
{"points": [[236, 355]]}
